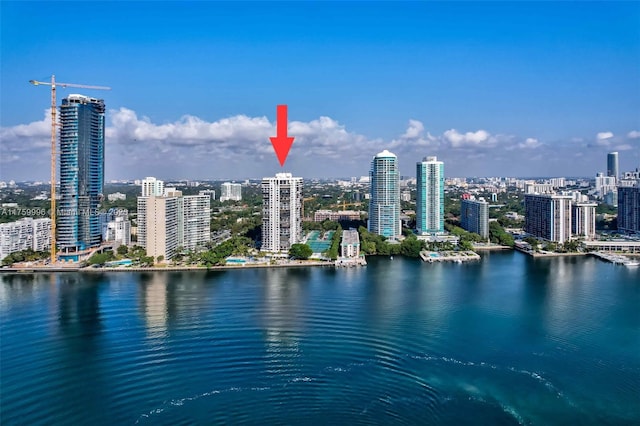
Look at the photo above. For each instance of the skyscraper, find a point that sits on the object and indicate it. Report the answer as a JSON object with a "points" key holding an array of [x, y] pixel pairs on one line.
{"points": [[162, 230], [612, 165], [430, 196], [81, 172], [384, 203], [474, 216], [194, 221], [281, 212]]}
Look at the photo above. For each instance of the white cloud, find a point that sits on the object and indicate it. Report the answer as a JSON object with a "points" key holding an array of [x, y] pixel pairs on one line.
{"points": [[624, 147], [413, 138], [239, 146], [604, 135], [415, 130], [604, 138], [191, 145], [530, 143], [469, 139], [187, 131], [22, 140]]}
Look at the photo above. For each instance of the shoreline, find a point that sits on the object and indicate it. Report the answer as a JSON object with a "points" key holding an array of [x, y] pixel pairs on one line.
{"points": [[538, 255], [47, 269], [496, 247]]}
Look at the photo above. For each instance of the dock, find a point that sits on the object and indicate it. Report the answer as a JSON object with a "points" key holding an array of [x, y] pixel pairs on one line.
{"points": [[617, 259], [448, 256]]}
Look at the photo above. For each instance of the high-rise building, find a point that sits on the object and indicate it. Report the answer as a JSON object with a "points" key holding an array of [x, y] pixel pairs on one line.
{"points": [[629, 208], [161, 218], [152, 187], [474, 216], [612, 165], [281, 212], [81, 172], [538, 188], [605, 185], [191, 227], [384, 204], [231, 191], [194, 221], [583, 220], [548, 217], [141, 222], [23, 234], [430, 196]]}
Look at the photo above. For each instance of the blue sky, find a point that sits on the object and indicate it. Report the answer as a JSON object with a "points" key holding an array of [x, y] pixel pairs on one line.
{"points": [[505, 88]]}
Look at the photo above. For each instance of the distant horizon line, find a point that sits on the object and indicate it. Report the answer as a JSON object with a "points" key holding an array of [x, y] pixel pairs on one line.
{"points": [[402, 177]]}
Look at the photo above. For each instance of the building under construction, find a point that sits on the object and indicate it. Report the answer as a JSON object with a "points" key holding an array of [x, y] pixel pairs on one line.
{"points": [[82, 121]]}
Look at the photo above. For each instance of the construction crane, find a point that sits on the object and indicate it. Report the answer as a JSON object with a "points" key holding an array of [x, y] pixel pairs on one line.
{"points": [[53, 85], [345, 204]]}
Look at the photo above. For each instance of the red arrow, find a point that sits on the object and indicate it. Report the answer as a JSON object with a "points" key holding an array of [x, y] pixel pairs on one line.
{"points": [[281, 143]]}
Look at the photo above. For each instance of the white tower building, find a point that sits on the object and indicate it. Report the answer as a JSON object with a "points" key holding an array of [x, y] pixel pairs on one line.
{"points": [[281, 212]]}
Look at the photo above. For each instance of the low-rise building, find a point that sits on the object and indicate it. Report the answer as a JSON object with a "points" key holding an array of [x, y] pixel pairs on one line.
{"points": [[322, 215], [116, 196], [350, 245]]}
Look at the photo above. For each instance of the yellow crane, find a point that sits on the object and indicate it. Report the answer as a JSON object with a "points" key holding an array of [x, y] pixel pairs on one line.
{"points": [[54, 123], [345, 204]]}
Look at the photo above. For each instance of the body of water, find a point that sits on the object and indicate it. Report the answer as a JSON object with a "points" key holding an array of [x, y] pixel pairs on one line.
{"points": [[508, 340]]}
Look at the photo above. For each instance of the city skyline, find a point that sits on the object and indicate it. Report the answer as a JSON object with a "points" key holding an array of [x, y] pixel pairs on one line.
{"points": [[515, 89]]}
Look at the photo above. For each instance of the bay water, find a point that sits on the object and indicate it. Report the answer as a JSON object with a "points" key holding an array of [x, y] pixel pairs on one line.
{"points": [[506, 340]]}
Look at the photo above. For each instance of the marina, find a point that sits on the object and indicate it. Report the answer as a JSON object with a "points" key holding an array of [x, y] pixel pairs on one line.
{"points": [[617, 259]]}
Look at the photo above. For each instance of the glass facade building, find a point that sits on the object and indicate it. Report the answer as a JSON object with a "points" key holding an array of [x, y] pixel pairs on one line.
{"points": [[384, 204], [612, 165], [82, 121], [430, 196]]}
